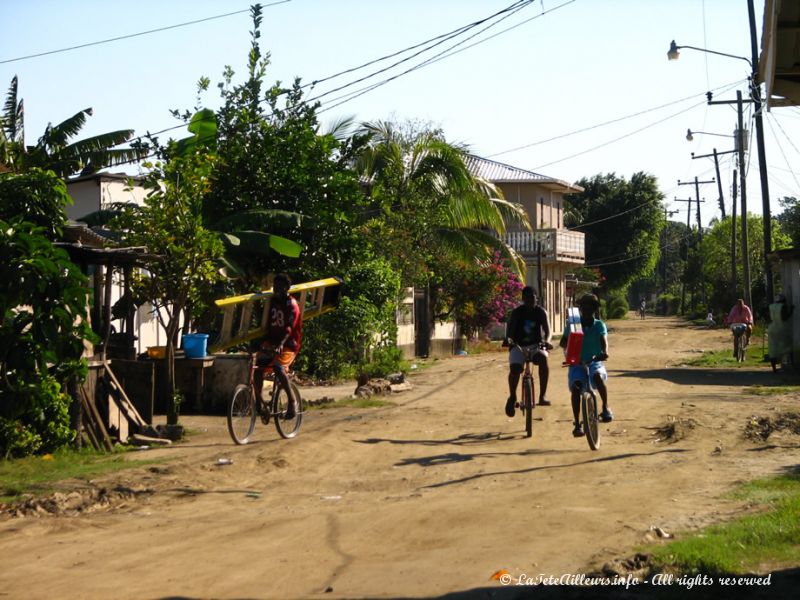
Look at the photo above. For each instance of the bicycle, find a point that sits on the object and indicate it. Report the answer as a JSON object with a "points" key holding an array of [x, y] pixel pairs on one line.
{"points": [[243, 407], [739, 341], [527, 404], [588, 401]]}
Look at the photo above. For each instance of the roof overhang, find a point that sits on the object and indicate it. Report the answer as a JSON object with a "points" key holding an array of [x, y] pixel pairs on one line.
{"points": [[779, 64]]}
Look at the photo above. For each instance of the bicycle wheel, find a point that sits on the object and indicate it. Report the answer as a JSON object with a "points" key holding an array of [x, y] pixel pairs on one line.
{"points": [[590, 419], [740, 348], [527, 405], [287, 428], [241, 414]]}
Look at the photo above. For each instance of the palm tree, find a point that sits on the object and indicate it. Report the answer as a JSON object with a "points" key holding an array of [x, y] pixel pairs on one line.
{"points": [[53, 150], [424, 195]]}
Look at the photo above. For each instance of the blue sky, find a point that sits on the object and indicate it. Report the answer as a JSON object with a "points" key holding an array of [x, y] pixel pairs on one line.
{"points": [[595, 67]]}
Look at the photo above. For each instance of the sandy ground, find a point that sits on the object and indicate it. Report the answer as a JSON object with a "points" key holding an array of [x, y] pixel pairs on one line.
{"points": [[427, 497]]}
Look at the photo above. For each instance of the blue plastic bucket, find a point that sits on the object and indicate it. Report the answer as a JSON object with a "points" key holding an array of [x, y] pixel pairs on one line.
{"points": [[195, 344]]}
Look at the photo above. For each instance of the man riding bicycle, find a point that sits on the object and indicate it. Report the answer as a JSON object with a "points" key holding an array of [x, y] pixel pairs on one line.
{"points": [[594, 349], [527, 326], [279, 347], [740, 315]]}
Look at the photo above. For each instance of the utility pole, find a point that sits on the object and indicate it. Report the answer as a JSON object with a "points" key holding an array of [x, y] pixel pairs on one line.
{"points": [[733, 238], [719, 182], [667, 214], [755, 95], [696, 184], [745, 247], [740, 142], [688, 233]]}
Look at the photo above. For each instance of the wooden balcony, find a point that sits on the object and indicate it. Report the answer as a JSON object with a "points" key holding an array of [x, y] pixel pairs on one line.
{"points": [[557, 245]]}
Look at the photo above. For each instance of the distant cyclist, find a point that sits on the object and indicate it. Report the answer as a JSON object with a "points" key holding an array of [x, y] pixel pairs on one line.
{"points": [[527, 326], [642, 307], [741, 314], [595, 346]]}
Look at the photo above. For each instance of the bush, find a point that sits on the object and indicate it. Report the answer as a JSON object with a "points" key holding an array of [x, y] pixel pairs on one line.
{"points": [[668, 304], [616, 306]]}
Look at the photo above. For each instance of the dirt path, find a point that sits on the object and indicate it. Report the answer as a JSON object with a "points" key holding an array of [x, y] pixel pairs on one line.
{"points": [[430, 496]]}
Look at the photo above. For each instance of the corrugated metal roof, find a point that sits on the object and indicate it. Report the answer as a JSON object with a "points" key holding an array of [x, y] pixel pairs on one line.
{"points": [[498, 172]]}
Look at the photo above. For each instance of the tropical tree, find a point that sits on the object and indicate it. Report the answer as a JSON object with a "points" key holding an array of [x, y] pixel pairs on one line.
{"points": [[54, 150], [632, 210], [789, 219], [425, 202], [716, 262], [170, 225]]}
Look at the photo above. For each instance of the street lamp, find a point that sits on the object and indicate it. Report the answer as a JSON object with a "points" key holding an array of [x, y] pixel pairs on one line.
{"points": [[673, 54]]}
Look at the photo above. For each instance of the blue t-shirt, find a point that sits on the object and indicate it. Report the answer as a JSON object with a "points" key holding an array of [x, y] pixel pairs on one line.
{"points": [[591, 339]]}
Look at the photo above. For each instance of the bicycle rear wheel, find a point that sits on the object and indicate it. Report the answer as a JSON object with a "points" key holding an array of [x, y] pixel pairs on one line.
{"points": [[527, 405], [287, 428], [241, 414], [590, 419], [740, 348]]}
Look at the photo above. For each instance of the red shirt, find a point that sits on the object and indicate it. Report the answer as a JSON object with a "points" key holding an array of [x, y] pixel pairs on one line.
{"points": [[285, 318]]}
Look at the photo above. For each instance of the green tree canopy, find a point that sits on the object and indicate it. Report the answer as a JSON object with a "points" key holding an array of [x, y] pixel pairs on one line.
{"points": [[622, 221]]}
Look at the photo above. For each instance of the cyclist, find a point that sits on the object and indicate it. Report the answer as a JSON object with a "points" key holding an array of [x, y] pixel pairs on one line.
{"points": [[595, 345], [642, 307], [279, 347], [527, 326], [740, 314]]}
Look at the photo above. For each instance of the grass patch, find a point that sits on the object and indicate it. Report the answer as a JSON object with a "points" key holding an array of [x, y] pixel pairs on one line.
{"points": [[773, 390], [371, 402], [39, 475], [724, 359], [483, 346], [745, 545]]}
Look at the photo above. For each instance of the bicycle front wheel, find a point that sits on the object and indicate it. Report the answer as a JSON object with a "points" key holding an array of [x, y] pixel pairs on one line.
{"points": [[287, 428], [590, 419], [242, 414], [527, 405], [740, 349]]}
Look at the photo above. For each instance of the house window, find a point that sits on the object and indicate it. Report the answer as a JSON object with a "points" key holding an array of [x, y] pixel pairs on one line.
{"points": [[541, 213]]}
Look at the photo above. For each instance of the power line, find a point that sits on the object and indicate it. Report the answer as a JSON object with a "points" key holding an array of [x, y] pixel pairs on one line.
{"points": [[442, 55], [438, 39], [133, 35]]}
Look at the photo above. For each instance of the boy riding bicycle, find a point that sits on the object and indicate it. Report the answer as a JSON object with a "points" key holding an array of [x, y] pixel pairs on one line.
{"points": [[593, 351], [527, 326], [279, 347]]}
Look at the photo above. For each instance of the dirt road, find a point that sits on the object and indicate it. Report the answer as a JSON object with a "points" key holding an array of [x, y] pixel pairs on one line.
{"points": [[426, 497]]}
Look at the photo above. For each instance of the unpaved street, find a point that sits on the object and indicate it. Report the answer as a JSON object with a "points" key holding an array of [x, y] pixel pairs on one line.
{"points": [[428, 496]]}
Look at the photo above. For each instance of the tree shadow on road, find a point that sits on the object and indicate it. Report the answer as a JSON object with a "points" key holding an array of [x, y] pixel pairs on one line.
{"points": [[723, 377], [431, 461]]}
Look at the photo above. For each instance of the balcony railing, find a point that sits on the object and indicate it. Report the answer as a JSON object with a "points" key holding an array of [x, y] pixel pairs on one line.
{"points": [[558, 245]]}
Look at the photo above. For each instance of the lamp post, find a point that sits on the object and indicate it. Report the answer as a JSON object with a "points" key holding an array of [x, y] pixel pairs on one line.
{"points": [[755, 98]]}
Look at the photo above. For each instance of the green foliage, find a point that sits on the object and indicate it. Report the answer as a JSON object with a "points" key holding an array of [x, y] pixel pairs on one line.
{"points": [[286, 178], [789, 220], [170, 225], [716, 261], [43, 297], [36, 196], [668, 304], [631, 251], [616, 305], [424, 197], [477, 294]]}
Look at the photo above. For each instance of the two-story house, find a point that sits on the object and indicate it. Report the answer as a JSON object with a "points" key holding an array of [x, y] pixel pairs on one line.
{"points": [[551, 250]]}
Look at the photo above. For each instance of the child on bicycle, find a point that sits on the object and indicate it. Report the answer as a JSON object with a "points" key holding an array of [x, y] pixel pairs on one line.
{"points": [[527, 326], [593, 351], [279, 347]]}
